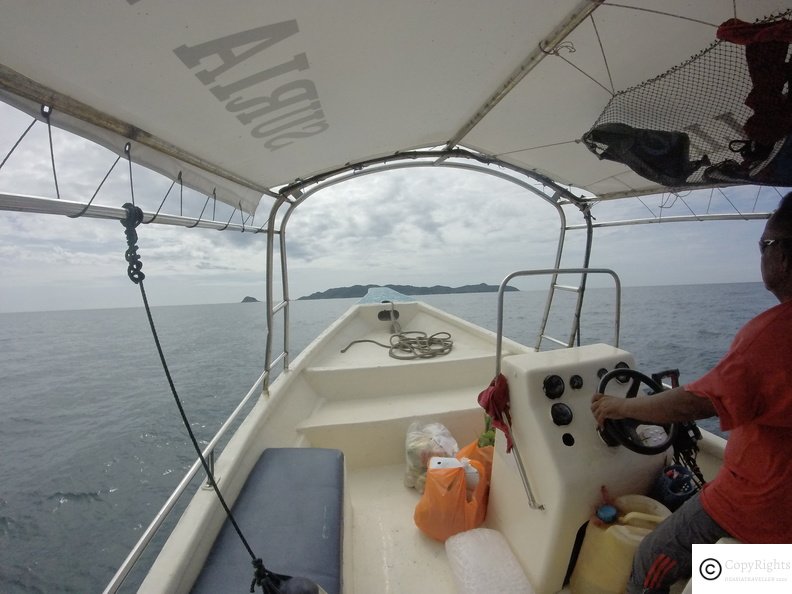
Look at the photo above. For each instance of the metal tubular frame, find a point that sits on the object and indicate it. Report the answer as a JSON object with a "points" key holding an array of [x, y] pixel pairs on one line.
{"points": [[581, 291], [302, 192], [554, 272], [553, 282], [43, 205], [414, 159], [283, 305], [293, 196], [753, 216]]}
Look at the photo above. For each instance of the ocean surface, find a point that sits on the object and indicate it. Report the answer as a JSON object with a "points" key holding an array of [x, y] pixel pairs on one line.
{"points": [[91, 444]]}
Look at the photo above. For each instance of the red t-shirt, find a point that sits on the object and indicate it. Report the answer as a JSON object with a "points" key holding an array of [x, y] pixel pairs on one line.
{"points": [[751, 388]]}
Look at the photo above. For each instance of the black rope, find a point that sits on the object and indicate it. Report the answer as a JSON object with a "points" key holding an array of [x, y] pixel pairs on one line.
{"points": [[228, 222], [46, 111], [242, 216], [156, 214], [128, 153], [260, 229], [134, 216], [16, 144], [270, 582], [87, 206], [200, 216]]}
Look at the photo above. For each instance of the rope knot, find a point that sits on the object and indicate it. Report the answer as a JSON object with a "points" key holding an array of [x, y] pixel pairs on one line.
{"points": [[269, 582], [259, 574], [133, 218]]}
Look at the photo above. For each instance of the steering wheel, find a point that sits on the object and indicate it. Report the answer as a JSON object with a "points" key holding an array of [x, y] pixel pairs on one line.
{"points": [[623, 431]]}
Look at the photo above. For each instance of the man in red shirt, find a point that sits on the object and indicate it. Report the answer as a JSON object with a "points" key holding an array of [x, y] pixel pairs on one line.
{"points": [[750, 390]]}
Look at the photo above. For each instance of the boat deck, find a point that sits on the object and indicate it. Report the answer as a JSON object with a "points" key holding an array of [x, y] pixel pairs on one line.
{"points": [[365, 410], [365, 401], [390, 554]]}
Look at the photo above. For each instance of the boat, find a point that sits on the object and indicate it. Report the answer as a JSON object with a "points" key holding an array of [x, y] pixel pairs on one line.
{"points": [[261, 106]]}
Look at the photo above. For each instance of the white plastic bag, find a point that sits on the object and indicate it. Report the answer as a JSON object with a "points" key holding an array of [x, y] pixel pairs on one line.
{"points": [[482, 561], [423, 441]]}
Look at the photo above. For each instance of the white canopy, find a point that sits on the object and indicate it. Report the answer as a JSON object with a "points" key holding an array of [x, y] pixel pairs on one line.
{"points": [[248, 96]]}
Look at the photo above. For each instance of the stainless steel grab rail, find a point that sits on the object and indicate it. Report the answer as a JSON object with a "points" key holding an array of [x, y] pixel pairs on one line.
{"points": [[134, 555], [554, 271]]}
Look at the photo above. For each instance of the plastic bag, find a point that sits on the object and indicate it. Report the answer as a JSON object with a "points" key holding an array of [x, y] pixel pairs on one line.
{"points": [[674, 486], [482, 561], [444, 509], [423, 441]]}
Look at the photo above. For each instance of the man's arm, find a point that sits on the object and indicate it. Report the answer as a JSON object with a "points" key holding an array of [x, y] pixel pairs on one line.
{"points": [[666, 407]]}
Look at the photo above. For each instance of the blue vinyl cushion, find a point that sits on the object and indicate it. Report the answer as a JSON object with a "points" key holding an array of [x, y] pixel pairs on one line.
{"points": [[291, 513]]}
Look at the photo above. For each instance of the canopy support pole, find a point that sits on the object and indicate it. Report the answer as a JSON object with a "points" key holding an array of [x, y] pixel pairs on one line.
{"points": [[569, 24], [42, 205]]}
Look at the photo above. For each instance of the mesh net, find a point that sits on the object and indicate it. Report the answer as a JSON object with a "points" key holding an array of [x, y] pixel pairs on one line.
{"points": [[723, 116]]}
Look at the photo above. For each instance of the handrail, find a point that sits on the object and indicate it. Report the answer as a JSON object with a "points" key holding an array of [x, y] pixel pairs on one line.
{"points": [[532, 501], [45, 205], [123, 571], [553, 271]]}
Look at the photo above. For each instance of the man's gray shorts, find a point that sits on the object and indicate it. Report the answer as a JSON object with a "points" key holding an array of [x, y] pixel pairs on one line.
{"points": [[664, 554]]}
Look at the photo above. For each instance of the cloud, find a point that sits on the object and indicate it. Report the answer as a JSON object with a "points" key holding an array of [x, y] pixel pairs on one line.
{"points": [[410, 226]]}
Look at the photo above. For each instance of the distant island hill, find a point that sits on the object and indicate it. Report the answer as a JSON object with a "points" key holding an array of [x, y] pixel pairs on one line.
{"points": [[361, 290]]}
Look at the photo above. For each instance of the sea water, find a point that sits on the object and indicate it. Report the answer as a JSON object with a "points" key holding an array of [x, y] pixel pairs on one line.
{"points": [[91, 443]]}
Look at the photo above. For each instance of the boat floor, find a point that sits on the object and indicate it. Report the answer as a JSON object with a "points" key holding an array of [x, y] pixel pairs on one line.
{"points": [[390, 554]]}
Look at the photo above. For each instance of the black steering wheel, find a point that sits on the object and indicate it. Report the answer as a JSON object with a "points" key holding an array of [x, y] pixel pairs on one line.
{"points": [[623, 431]]}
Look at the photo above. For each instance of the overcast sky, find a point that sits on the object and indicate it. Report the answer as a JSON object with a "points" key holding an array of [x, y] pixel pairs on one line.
{"points": [[404, 227]]}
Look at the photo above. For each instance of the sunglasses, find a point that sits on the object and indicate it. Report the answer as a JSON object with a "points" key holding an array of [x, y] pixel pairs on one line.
{"points": [[765, 243]]}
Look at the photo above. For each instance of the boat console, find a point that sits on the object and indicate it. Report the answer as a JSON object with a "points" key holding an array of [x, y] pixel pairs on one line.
{"points": [[566, 462]]}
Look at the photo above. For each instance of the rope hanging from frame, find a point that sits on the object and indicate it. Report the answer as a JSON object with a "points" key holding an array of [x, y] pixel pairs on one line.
{"points": [[270, 582]]}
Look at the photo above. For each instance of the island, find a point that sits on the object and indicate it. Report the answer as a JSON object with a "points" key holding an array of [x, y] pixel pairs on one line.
{"points": [[250, 300], [361, 290]]}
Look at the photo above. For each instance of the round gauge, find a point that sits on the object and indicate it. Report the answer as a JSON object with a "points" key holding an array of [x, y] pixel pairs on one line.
{"points": [[561, 414], [622, 379], [553, 386]]}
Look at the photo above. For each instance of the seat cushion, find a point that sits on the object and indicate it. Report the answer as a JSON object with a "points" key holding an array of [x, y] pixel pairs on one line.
{"points": [[291, 513]]}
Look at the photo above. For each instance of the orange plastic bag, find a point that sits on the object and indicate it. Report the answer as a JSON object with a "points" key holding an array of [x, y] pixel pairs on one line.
{"points": [[444, 509]]}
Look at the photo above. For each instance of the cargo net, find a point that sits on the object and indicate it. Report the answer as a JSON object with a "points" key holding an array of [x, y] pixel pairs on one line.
{"points": [[722, 117]]}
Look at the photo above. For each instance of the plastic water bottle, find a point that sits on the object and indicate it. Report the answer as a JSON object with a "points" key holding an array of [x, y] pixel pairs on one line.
{"points": [[471, 477], [441, 462], [471, 474]]}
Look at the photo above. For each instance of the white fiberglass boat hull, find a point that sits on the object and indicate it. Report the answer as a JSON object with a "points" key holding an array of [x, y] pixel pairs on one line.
{"points": [[361, 402]]}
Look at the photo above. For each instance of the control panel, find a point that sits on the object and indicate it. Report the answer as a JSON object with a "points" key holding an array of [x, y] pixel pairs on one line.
{"points": [[565, 461]]}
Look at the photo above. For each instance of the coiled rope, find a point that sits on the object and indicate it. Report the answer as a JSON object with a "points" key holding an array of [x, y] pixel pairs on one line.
{"points": [[415, 346]]}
